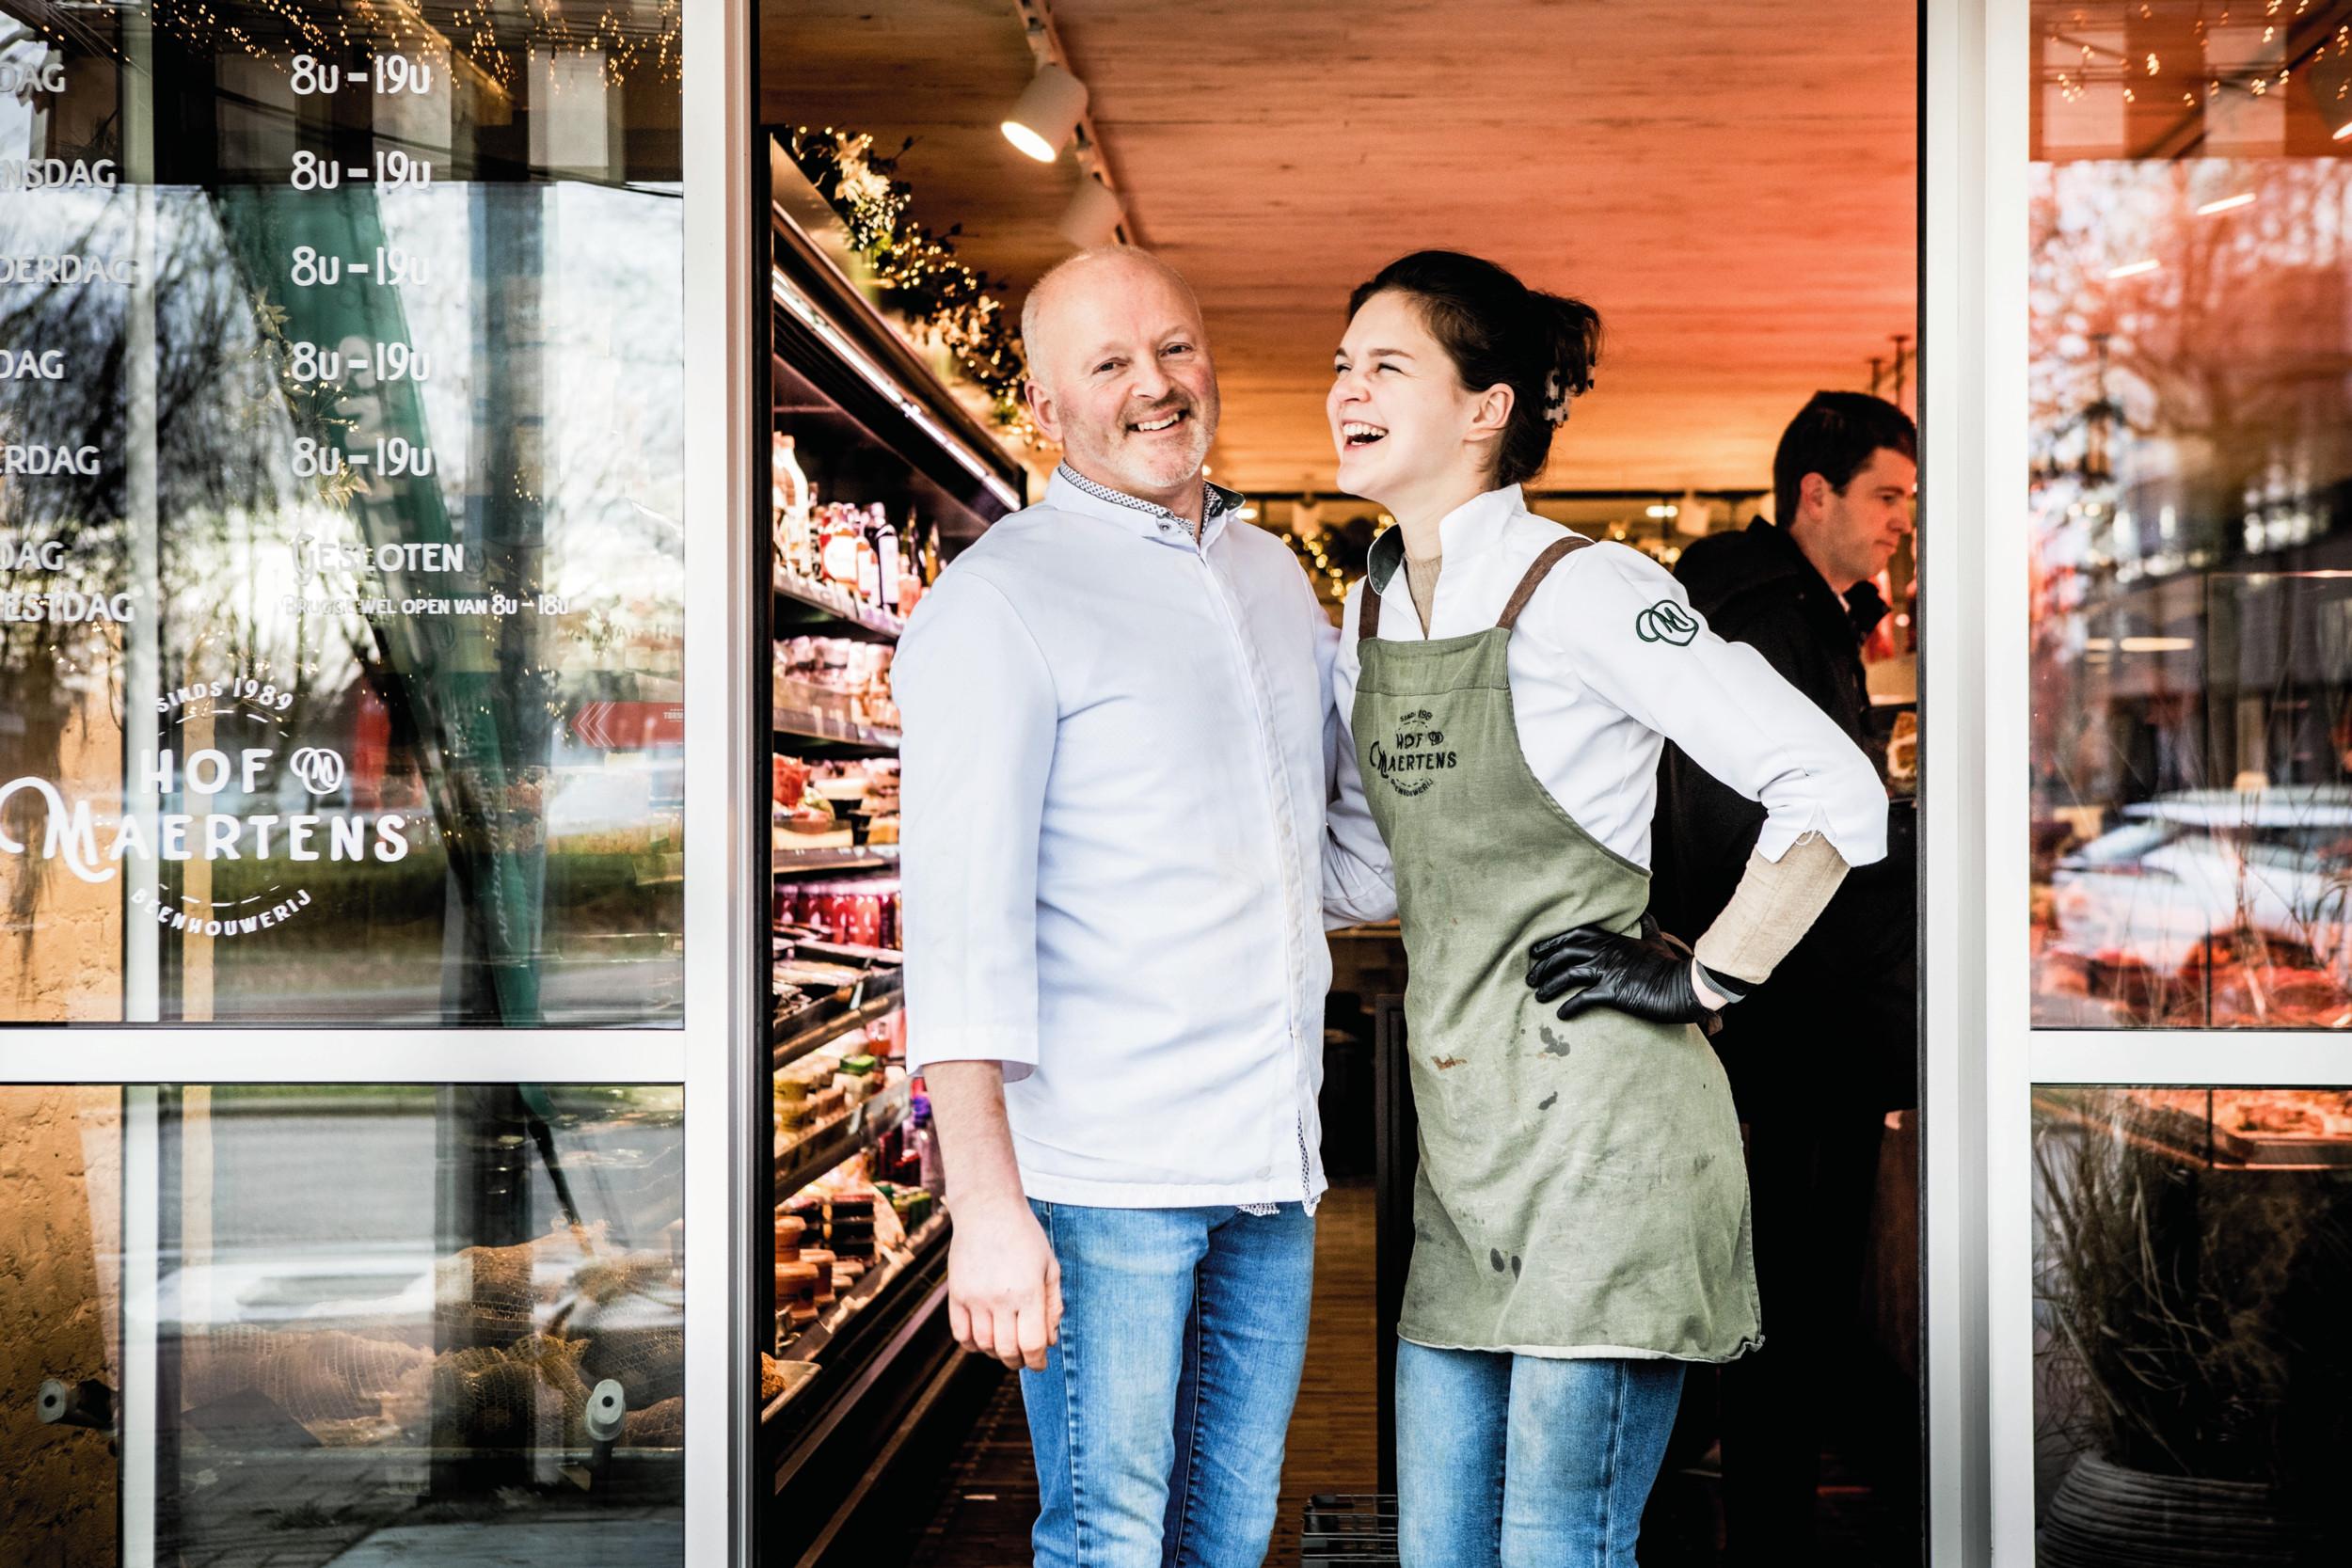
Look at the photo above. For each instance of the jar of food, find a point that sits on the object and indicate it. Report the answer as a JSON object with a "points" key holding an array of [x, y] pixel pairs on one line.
{"points": [[822, 1262], [797, 1284]]}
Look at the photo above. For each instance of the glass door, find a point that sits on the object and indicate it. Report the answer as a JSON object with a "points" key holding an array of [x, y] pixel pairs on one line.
{"points": [[348, 449], [2169, 722]]}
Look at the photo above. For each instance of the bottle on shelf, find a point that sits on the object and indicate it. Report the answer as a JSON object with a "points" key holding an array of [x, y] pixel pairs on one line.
{"points": [[926, 1144], [930, 553], [886, 561], [793, 503], [869, 556], [910, 565], [838, 547]]}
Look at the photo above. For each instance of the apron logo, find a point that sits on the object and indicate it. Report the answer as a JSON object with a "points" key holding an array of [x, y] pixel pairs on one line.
{"points": [[1667, 622], [1416, 749]]}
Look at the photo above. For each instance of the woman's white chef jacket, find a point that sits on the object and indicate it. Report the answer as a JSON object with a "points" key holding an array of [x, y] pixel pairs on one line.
{"points": [[1607, 657]]}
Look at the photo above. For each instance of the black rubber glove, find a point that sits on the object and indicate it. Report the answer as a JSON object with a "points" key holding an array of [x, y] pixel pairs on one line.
{"points": [[1647, 975]]}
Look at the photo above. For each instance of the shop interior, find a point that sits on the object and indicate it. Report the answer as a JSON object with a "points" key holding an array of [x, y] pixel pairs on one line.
{"points": [[1733, 187]]}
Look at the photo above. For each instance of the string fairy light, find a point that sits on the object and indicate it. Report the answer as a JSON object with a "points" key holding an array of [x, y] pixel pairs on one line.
{"points": [[920, 274]]}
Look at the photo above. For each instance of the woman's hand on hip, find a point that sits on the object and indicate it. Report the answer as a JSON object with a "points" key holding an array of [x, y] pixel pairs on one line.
{"points": [[1650, 975], [1004, 1283]]}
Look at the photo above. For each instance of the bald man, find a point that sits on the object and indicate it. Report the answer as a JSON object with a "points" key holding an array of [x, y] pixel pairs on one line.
{"points": [[1114, 777]]}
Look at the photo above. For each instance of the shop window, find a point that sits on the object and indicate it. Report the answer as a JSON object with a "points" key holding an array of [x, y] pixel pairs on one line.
{"points": [[2191, 514], [342, 1322], [2192, 1387], [341, 548]]}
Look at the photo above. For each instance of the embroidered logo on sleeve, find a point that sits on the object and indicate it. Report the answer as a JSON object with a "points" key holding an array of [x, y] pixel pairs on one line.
{"points": [[1667, 622]]}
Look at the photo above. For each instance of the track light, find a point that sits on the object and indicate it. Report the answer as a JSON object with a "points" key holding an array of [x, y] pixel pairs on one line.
{"points": [[1093, 216], [1042, 122]]}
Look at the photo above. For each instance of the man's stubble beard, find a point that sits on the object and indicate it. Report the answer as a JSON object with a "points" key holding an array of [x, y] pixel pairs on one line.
{"points": [[1124, 471]]}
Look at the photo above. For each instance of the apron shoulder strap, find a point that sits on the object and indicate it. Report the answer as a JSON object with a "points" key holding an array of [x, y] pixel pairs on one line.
{"points": [[1538, 570], [1368, 614]]}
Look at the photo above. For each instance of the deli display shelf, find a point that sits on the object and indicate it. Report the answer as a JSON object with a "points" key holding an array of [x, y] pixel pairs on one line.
{"points": [[812, 1343], [862, 857], [813, 1029], [837, 603], [824, 726], [870, 1397], [821, 1148]]}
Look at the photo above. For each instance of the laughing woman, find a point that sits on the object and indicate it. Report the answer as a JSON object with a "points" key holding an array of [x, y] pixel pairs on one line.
{"points": [[1580, 1215]]}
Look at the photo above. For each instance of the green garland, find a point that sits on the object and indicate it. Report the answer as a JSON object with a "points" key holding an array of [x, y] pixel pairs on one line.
{"points": [[919, 272]]}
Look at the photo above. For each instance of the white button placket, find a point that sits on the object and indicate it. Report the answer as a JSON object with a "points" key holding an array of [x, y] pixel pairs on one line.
{"points": [[1279, 802]]}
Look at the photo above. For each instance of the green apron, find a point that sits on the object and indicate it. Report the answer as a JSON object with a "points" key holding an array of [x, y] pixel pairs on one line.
{"points": [[1582, 1190]]}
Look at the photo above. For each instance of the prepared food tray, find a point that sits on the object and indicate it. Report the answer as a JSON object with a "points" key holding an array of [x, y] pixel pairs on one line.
{"points": [[2254, 1126]]}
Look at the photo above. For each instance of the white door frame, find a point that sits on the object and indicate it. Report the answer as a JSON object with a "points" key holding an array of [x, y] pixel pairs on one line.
{"points": [[1955, 776], [1984, 1057]]}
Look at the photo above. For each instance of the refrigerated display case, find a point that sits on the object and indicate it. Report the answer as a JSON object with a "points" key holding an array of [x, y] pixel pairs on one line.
{"points": [[879, 470]]}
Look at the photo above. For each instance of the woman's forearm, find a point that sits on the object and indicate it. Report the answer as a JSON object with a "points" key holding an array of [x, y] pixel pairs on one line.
{"points": [[1774, 905]]}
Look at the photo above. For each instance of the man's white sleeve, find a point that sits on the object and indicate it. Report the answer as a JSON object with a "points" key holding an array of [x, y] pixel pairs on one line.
{"points": [[979, 712], [1359, 880], [1628, 631]]}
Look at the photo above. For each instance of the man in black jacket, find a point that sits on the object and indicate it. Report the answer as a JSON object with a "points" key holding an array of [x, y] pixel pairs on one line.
{"points": [[1819, 1053]]}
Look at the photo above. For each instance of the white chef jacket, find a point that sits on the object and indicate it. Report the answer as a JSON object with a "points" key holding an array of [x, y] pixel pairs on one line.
{"points": [[1113, 782], [1599, 674]]}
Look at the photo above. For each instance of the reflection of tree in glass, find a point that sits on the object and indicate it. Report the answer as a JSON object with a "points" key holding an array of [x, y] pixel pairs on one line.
{"points": [[2210, 346], [47, 670]]}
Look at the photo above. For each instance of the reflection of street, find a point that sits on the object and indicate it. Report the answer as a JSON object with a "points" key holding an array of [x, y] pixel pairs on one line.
{"points": [[331, 1346]]}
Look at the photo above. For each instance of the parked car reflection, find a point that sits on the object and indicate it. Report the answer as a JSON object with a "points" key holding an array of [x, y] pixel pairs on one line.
{"points": [[2207, 908]]}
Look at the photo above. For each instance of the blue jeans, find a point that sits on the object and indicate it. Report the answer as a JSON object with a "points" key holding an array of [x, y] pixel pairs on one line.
{"points": [[1526, 1461], [1158, 1422]]}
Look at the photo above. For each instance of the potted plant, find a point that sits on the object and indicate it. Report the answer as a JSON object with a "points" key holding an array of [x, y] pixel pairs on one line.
{"points": [[2190, 1347]]}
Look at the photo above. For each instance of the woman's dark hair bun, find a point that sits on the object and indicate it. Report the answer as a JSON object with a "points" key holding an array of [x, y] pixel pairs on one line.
{"points": [[1498, 331]]}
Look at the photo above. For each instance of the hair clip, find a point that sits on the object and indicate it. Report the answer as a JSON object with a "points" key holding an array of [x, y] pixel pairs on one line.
{"points": [[1555, 402]]}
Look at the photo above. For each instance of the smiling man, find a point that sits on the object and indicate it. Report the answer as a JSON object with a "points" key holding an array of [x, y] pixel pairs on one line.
{"points": [[1114, 780]]}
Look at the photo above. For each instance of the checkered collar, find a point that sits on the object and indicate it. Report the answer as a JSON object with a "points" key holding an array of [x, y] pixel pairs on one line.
{"points": [[1218, 504]]}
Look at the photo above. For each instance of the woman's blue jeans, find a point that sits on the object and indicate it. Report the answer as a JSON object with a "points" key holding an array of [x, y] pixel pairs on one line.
{"points": [[1509, 1460], [1159, 1420]]}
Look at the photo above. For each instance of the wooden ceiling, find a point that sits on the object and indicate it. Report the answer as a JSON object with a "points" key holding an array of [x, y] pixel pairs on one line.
{"points": [[1732, 186]]}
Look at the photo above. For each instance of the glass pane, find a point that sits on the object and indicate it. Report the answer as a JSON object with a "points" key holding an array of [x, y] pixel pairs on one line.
{"points": [[473, 1352], [2192, 1381], [341, 563], [2192, 449]]}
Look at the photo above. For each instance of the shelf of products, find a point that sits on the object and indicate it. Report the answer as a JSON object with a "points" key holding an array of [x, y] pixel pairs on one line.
{"points": [[851, 1252], [865, 857], [839, 603], [838, 1133], [823, 726], [820, 807], [795, 1035], [878, 471]]}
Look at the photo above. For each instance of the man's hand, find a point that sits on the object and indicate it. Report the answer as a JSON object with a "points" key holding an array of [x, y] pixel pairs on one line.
{"points": [[1004, 1286], [1648, 975]]}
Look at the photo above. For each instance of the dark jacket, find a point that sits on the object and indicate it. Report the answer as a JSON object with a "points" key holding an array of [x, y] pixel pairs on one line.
{"points": [[1839, 1019]]}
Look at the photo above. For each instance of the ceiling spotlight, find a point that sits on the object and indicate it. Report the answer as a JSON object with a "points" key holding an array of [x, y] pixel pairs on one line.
{"points": [[1040, 124], [1093, 216]]}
